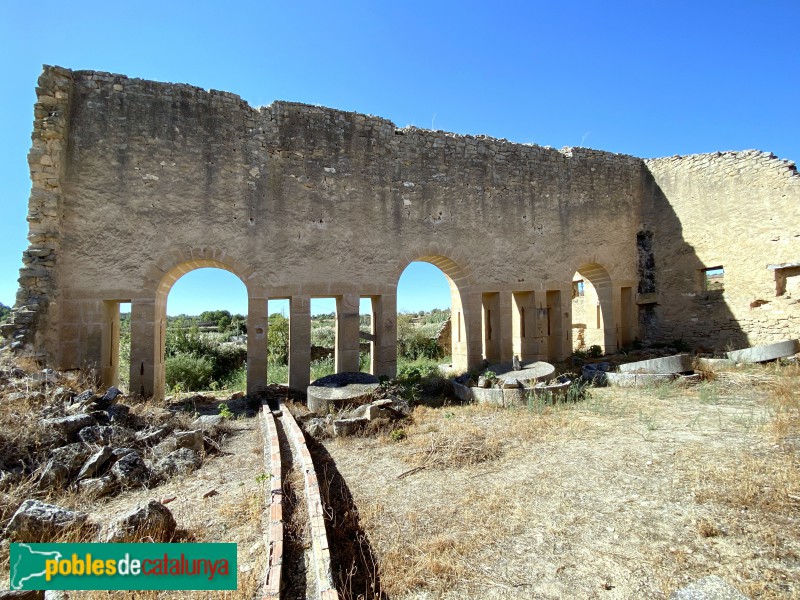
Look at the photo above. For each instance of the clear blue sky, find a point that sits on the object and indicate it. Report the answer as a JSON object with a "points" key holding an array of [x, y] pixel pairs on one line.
{"points": [[638, 77]]}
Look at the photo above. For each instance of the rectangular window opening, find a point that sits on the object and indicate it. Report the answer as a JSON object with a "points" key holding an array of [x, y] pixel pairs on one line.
{"points": [[714, 279]]}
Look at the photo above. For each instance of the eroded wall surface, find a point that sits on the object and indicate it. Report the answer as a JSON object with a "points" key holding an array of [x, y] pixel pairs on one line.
{"points": [[136, 182]]}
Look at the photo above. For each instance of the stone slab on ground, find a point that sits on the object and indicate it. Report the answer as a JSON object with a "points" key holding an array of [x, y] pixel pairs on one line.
{"points": [[765, 353]]}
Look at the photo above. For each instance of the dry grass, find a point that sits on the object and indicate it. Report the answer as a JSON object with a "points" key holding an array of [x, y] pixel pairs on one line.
{"points": [[453, 449], [631, 493]]}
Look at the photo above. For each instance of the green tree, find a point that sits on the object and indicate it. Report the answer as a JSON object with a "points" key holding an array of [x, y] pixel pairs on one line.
{"points": [[5, 311]]}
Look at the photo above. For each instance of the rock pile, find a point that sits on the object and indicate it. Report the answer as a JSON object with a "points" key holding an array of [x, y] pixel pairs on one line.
{"points": [[356, 419], [94, 442]]}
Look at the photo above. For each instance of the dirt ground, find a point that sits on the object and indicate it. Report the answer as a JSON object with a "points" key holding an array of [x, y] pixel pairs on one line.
{"points": [[629, 494]]}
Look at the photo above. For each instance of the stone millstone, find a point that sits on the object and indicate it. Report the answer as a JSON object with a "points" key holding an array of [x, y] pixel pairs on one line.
{"points": [[528, 374], [340, 389], [765, 353], [680, 363]]}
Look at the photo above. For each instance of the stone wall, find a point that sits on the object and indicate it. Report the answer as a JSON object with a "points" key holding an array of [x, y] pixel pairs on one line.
{"points": [[737, 210], [36, 308], [138, 182]]}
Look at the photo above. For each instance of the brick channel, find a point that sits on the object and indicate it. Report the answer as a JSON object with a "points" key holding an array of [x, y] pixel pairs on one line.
{"points": [[285, 445]]}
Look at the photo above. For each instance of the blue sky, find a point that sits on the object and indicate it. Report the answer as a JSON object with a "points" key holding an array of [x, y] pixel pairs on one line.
{"points": [[642, 78]]}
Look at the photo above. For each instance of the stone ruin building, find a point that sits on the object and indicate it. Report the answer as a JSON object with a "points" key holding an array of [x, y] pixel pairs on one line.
{"points": [[135, 183]]}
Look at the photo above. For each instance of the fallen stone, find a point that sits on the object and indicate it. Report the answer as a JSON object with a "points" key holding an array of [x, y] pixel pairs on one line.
{"points": [[96, 435], [151, 521], [378, 412], [210, 493], [168, 499], [71, 456], [152, 437], [179, 462], [35, 520], [511, 384], [164, 447], [109, 398], [190, 439], [118, 453], [315, 427], [54, 475], [100, 416], [708, 588], [484, 382], [97, 487], [207, 423], [357, 413], [68, 426], [343, 427], [80, 401], [131, 471], [118, 413], [95, 463]]}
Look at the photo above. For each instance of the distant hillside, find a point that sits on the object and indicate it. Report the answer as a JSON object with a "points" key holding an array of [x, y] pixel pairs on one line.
{"points": [[4, 312]]}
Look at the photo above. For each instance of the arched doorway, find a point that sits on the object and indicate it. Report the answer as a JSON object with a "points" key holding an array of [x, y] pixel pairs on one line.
{"points": [[441, 279], [156, 347], [203, 329], [592, 309]]}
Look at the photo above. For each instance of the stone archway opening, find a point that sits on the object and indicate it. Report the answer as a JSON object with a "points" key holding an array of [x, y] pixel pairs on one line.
{"points": [[202, 330], [430, 319], [592, 314]]}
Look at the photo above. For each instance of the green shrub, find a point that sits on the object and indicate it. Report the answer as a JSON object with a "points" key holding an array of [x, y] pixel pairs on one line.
{"points": [[277, 373], [323, 336], [188, 372], [227, 359], [322, 367], [278, 338]]}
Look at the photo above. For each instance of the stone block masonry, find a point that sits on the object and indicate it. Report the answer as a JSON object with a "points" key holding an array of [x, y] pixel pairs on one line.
{"points": [[136, 183]]}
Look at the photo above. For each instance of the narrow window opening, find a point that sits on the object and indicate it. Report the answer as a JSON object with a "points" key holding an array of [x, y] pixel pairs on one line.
{"points": [[522, 322], [714, 279]]}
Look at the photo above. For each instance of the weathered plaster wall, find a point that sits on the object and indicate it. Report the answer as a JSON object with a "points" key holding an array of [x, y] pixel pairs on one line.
{"points": [[740, 210]]}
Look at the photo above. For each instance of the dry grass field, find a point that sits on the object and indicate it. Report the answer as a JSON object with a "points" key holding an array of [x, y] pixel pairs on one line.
{"points": [[631, 493]]}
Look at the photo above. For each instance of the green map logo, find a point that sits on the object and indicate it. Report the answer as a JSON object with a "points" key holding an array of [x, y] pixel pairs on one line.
{"points": [[96, 566]]}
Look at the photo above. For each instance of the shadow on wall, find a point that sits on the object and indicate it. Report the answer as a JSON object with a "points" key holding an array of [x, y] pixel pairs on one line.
{"points": [[677, 298]]}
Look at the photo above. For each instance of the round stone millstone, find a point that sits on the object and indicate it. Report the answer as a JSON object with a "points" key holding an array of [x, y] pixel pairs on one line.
{"points": [[340, 389]]}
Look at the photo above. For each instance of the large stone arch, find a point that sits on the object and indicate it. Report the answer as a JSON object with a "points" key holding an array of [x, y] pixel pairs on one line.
{"points": [[465, 311], [149, 317]]}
